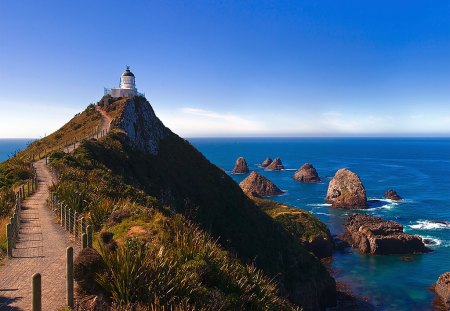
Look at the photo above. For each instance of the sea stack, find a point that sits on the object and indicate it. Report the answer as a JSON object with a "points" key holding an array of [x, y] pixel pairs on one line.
{"points": [[306, 173], [442, 289], [374, 235], [241, 166], [345, 190], [266, 162], [392, 195], [275, 165], [256, 183]]}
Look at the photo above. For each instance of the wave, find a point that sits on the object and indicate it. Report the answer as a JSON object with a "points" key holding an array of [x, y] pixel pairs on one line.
{"points": [[432, 241], [319, 205], [430, 225], [320, 213]]}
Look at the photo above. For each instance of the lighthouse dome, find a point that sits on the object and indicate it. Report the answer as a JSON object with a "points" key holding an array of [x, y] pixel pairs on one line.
{"points": [[127, 73], [127, 80]]}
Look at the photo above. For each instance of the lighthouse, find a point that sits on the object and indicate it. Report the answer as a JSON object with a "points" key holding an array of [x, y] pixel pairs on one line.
{"points": [[127, 86]]}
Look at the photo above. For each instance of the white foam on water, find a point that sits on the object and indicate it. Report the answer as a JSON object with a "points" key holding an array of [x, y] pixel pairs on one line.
{"points": [[430, 225], [320, 213], [319, 205], [434, 241]]}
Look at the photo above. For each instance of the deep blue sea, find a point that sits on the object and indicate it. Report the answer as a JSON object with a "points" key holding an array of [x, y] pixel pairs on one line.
{"points": [[418, 169]]}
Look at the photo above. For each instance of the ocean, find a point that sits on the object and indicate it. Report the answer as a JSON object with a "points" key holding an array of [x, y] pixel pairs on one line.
{"points": [[417, 168]]}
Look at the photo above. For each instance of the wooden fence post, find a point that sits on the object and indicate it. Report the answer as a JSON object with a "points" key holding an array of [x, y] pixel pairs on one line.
{"points": [[36, 298], [9, 240], [69, 277], [89, 235], [75, 224], [62, 215], [83, 240]]}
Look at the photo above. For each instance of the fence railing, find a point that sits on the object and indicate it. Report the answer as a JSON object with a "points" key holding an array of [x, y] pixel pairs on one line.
{"points": [[76, 225], [12, 228]]}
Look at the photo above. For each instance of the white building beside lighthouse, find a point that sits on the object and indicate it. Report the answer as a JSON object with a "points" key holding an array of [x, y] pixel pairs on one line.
{"points": [[127, 86]]}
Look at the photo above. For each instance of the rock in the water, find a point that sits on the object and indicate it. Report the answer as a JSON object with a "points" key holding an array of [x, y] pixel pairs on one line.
{"points": [[374, 235], [257, 183], [275, 165], [442, 289], [345, 190], [266, 162], [392, 195], [241, 166], [306, 173]]}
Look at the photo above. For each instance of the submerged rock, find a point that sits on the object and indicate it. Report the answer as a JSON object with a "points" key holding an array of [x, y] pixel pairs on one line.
{"points": [[257, 183], [345, 190], [374, 235], [392, 195], [306, 173], [275, 165], [442, 289], [266, 162], [241, 166]]}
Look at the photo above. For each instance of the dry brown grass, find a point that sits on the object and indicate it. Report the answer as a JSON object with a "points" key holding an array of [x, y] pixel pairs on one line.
{"points": [[3, 222], [82, 126]]}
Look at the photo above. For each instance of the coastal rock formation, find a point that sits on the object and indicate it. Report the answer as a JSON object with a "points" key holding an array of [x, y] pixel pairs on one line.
{"points": [[257, 183], [275, 165], [241, 166], [374, 235], [137, 119], [392, 195], [266, 162], [306, 173], [442, 289], [345, 190]]}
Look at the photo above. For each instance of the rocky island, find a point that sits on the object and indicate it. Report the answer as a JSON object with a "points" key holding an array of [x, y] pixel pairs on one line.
{"points": [[374, 235], [442, 289], [241, 166], [392, 195], [266, 162], [346, 190], [258, 185], [275, 165], [306, 173]]}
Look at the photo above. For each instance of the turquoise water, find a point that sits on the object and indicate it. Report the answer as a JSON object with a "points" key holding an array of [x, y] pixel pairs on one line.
{"points": [[418, 169]]}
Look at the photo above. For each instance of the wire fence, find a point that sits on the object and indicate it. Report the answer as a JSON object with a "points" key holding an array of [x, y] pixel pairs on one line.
{"points": [[13, 227]]}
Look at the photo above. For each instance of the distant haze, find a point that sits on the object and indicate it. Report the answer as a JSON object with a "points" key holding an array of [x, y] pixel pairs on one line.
{"points": [[232, 68]]}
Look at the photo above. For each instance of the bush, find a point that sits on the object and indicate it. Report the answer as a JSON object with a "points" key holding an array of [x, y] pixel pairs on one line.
{"points": [[87, 265]]}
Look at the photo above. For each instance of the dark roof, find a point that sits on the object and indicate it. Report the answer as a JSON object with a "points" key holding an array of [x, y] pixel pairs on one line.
{"points": [[127, 72]]}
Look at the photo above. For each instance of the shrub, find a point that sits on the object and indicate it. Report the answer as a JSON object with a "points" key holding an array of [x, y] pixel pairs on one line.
{"points": [[86, 266]]}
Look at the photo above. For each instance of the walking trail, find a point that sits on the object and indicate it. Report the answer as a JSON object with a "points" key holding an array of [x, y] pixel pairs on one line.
{"points": [[41, 248]]}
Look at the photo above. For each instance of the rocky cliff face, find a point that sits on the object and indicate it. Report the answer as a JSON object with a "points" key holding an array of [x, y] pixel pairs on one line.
{"points": [[266, 162], [374, 235], [256, 183], [345, 190], [138, 120], [442, 289], [306, 173], [241, 166]]}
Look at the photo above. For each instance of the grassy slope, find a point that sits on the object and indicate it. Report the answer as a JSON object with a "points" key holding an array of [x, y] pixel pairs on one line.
{"points": [[182, 178]]}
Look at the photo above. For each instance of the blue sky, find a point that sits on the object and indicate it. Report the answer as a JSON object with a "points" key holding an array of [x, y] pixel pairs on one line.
{"points": [[232, 68]]}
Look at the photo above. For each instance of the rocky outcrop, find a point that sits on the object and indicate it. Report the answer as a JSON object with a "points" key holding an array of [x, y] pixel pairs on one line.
{"points": [[374, 235], [442, 289], [241, 166], [260, 185], [266, 162], [275, 165], [306, 173], [392, 195], [345, 190], [138, 120]]}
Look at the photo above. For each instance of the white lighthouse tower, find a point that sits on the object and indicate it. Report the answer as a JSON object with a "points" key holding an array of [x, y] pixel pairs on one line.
{"points": [[127, 87]]}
